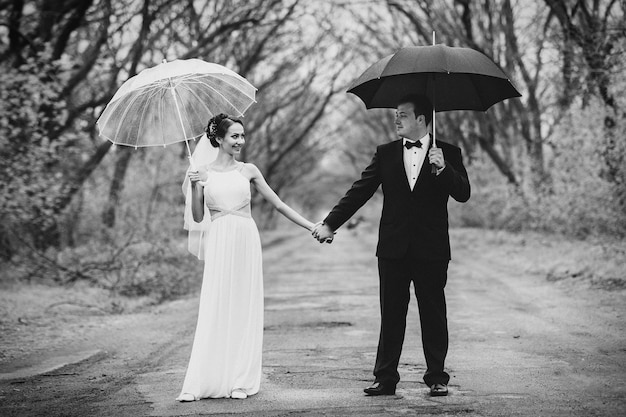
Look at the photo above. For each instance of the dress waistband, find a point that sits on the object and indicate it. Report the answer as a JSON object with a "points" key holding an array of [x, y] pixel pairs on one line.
{"points": [[241, 210]]}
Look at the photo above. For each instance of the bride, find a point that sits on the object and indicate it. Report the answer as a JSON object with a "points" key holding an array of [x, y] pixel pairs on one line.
{"points": [[226, 353]]}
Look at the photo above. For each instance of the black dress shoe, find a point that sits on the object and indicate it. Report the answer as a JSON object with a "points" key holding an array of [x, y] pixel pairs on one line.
{"points": [[380, 389], [438, 390]]}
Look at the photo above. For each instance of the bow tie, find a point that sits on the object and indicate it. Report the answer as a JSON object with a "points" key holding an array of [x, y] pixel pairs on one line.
{"points": [[410, 144]]}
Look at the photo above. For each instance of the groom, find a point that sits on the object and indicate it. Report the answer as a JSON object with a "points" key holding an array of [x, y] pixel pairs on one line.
{"points": [[413, 243]]}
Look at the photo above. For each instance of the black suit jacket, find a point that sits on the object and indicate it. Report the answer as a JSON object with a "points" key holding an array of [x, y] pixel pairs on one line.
{"points": [[417, 220]]}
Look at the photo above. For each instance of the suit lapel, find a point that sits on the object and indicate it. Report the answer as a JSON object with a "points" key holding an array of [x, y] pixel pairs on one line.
{"points": [[398, 164]]}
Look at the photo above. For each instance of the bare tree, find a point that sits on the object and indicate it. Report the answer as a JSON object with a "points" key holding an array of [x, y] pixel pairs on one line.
{"points": [[233, 34], [71, 39], [98, 44], [296, 91], [592, 35], [597, 30]]}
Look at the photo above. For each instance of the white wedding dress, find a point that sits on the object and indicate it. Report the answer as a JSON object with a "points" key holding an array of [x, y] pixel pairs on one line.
{"points": [[227, 347]]}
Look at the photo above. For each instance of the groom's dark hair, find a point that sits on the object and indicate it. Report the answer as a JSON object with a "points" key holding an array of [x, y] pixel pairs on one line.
{"points": [[421, 105]]}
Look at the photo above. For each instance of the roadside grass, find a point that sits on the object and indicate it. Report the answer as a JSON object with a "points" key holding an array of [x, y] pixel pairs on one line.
{"points": [[49, 308], [592, 263]]}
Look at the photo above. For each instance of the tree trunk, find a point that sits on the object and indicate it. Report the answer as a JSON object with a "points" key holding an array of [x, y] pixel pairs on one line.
{"points": [[487, 146], [123, 156]]}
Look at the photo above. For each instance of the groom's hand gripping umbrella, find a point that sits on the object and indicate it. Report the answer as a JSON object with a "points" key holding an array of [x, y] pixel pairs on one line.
{"points": [[172, 102]]}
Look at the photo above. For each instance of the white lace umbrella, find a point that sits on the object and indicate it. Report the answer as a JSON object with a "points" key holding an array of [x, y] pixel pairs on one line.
{"points": [[173, 102]]}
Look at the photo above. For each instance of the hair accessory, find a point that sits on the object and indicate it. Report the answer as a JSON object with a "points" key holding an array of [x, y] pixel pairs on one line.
{"points": [[211, 128]]}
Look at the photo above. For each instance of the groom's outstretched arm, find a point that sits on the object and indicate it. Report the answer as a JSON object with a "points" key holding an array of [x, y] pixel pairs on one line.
{"points": [[361, 191]]}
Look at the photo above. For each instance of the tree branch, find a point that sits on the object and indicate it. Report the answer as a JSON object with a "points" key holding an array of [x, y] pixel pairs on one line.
{"points": [[73, 23]]}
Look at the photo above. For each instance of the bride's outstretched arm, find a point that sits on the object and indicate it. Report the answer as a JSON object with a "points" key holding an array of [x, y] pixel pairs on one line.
{"points": [[266, 191]]}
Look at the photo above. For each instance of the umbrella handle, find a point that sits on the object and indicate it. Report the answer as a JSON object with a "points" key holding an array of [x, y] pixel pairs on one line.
{"points": [[434, 92], [434, 127], [433, 168]]}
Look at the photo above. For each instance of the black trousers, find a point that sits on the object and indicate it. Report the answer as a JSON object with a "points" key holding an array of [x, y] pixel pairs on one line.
{"points": [[429, 279]]}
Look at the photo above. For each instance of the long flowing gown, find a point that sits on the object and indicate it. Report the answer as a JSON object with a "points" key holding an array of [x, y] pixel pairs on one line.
{"points": [[227, 347]]}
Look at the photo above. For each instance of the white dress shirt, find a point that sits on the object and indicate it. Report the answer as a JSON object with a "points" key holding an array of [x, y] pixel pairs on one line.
{"points": [[414, 159]]}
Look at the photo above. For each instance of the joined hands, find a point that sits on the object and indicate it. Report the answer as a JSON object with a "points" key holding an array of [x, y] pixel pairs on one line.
{"points": [[323, 233]]}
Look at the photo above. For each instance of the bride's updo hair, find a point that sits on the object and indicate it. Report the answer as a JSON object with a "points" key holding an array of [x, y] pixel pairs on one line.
{"points": [[218, 126]]}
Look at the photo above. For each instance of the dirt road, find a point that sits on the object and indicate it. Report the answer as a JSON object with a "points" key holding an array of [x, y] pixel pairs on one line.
{"points": [[521, 345]]}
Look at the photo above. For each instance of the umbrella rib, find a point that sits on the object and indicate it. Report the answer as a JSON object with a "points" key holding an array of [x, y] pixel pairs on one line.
{"points": [[223, 96], [479, 94], [161, 114], [182, 103], [228, 80], [109, 114], [124, 113], [143, 112], [156, 92], [241, 112]]}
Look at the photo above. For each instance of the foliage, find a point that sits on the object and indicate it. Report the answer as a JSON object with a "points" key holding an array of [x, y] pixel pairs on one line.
{"points": [[580, 200], [127, 267], [32, 159], [103, 43], [143, 256], [583, 198]]}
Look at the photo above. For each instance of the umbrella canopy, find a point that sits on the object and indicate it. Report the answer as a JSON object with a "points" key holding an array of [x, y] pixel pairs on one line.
{"points": [[172, 102], [452, 78]]}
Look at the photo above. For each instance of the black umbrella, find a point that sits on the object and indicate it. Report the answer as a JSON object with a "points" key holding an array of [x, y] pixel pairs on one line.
{"points": [[452, 78]]}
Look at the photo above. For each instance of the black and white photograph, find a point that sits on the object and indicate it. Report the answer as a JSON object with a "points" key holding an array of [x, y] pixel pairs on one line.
{"points": [[312, 208]]}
